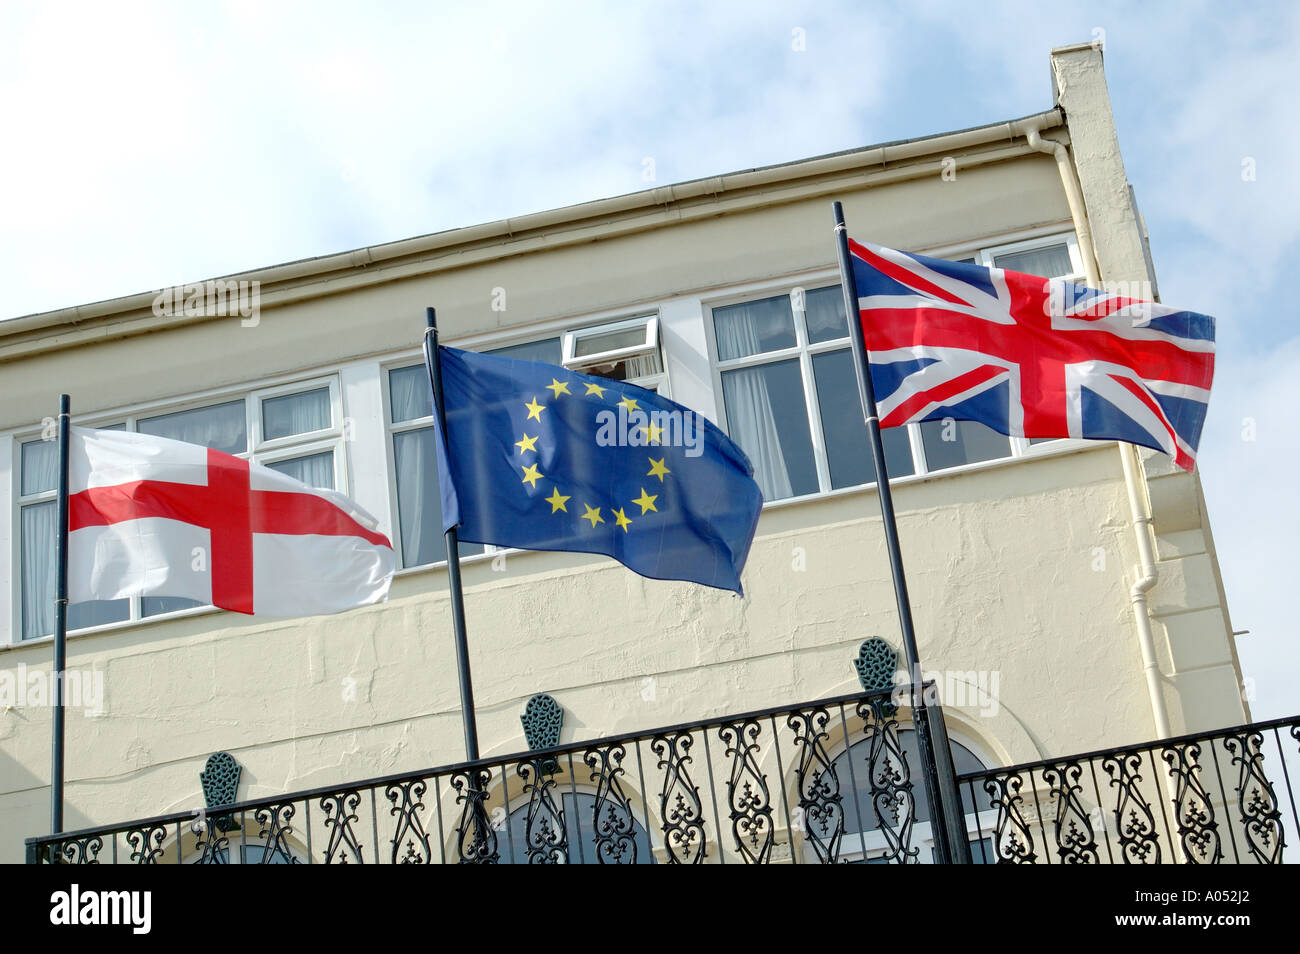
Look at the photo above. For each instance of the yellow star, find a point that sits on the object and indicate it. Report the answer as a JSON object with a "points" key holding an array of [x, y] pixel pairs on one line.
{"points": [[531, 476], [620, 518], [527, 444], [592, 514], [595, 389], [657, 469], [654, 431], [556, 500], [559, 387], [629, 403], [646, 502], [534, 410]]}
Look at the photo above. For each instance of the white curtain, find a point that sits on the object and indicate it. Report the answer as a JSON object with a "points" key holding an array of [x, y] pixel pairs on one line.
{"points": [[749, 409], [314, 471], [38, 532], [220, 426], [1050, 262], [296, 413], [40, 466], [419, 506], [408, 394]]}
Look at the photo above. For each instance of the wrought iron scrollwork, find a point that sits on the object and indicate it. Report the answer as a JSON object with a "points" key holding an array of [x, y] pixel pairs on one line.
{"points": [[146, 843], [1197, 830], [476, 840], [1013, 842], [1134, 820], [76, 851], [821, 809], [276, 825], [1256, 800], [748, 798], [212, 844], [679, 800], [892, 796], [340, 812], [545, 837], [1075, 841], [410, 840], [611, 815]]}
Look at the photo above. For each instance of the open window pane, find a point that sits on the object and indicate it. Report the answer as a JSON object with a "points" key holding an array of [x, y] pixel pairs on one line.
{"points": [[221, 427], [419, 500], [314, 470], [754, 327], [824, 314], [36, 546], [301, 413], [1050, 262], [950, 443], [768, 417], [609, 341], [845, 430]]}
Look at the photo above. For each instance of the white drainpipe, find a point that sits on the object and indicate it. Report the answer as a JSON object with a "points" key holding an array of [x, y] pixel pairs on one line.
{"points": [[1147, 576], [1146, 570]]}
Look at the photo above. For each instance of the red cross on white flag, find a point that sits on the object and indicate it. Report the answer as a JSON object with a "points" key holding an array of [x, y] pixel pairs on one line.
{"points": [[150, 516]]}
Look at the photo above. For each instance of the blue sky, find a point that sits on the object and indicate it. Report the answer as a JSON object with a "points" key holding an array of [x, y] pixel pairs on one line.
{"points": [[151, 144]]}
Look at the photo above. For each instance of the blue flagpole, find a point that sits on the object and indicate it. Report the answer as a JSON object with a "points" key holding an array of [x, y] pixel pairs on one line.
{"points": [[936, 760], [433, 363]]}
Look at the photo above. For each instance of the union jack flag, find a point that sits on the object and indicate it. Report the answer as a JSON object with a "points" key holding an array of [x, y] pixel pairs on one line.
{"points": [[1029, 356]]}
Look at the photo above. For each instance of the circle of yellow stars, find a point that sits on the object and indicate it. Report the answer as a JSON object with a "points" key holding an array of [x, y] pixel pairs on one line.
{"points": [[558, 501]]}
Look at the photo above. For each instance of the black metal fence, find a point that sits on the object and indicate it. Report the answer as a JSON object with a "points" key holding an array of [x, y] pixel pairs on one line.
{"points": [[823, 782], [1211, 798]]}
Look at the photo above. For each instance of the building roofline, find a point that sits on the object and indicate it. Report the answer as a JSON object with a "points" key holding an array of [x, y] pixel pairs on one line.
{"points": [[571, 216]]}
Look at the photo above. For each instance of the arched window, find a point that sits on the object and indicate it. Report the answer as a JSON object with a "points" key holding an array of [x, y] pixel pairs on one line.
{"points": [[865, 841], [584, 845]]}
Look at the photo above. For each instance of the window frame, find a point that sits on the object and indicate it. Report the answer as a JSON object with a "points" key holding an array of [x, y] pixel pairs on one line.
{"points": [[1020, 448], [256, 451], [863, 846], [481, 343]]}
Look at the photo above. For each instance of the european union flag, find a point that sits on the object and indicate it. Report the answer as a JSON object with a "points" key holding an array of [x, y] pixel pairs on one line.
{"points": [[541, 458]]}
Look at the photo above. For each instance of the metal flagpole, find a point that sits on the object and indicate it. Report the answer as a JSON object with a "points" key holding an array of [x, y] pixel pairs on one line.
{"points": [[60, 620], [937, 767], [433, 362]]}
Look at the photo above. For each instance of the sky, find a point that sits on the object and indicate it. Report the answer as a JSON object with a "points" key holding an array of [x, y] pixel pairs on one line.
{"points": [[147, 145]]}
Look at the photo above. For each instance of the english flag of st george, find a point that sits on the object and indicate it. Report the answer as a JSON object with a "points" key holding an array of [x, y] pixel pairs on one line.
{"points": [[149, 516], [1029, 356]]}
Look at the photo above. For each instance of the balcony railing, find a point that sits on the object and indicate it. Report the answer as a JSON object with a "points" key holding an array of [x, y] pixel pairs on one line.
{"points": [[1219, 797], [759, 787], [824, 782]]}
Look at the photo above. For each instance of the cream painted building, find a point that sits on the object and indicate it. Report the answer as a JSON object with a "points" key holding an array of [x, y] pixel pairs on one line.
{"points": [[1026, 561]]}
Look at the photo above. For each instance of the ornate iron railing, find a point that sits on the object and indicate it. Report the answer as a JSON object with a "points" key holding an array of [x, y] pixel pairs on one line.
{"points": [[1219, 797], [773, 785]]}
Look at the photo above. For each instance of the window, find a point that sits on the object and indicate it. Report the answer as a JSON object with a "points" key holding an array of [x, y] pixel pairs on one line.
{"points": [[415, 467], [789, 389], [863, 840], [790, 394], [295, 429], [580, 835], [37, 517]]}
